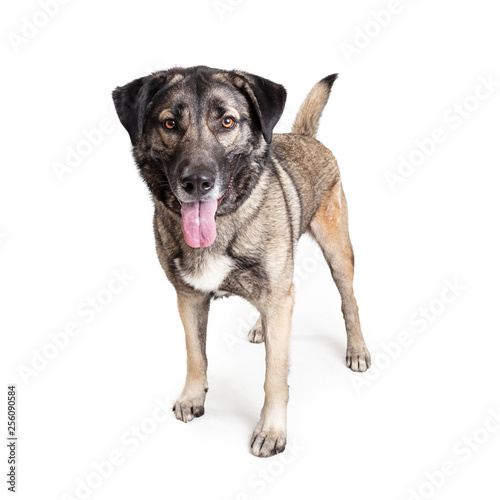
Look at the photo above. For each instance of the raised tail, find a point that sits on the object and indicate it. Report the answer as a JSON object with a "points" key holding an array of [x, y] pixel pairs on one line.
{"points": [[307, 120]]}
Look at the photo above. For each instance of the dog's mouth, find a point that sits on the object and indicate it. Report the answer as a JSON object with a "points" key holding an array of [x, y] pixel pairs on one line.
{"points": [[198, 220]]}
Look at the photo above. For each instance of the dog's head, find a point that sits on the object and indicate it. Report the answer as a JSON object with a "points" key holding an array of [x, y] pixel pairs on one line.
{"points": [[199, 135]]}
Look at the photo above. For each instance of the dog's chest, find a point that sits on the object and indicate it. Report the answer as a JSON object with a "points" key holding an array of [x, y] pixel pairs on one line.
{"points": [[208, 273]]}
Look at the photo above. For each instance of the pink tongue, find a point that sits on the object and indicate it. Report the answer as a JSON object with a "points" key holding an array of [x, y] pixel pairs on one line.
{"points": [[198, 223]]}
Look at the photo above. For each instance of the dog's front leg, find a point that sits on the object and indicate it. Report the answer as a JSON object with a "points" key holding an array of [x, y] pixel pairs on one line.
{"points": [[269, 436], [193, 310]]}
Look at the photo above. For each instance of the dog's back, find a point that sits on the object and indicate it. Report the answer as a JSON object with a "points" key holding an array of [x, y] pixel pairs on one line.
{"points": [[310, 164]]}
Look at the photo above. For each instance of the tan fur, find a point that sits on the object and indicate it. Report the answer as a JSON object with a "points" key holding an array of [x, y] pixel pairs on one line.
{"points": [[330, 229], [270, 433], [193, 310], [307, 119]]}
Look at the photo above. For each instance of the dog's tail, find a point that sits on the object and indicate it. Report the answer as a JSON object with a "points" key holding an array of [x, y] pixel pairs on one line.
{"points": [[307, 120]]}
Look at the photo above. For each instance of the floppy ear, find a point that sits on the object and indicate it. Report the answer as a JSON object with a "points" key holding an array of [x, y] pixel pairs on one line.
{"points": [[268, 99], [132, 100]]}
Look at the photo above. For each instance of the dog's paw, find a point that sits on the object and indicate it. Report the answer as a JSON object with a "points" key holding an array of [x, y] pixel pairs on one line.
{"points": [[358, 359], [256, 334], [187, 409], [266, 443]]}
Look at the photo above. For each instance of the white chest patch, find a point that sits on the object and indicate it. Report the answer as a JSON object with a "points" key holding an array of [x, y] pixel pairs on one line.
{"points": [[211, 273]]}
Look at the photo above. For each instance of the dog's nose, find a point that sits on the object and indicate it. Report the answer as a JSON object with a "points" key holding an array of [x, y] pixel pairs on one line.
{"points": [[199, 183]]}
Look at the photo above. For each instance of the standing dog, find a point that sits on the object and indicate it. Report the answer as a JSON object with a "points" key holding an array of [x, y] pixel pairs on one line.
{"points": [[231, 202]]}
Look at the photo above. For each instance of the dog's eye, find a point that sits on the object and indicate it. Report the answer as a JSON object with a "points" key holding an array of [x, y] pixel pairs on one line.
{"points": [[228, 122], [170, 124]]}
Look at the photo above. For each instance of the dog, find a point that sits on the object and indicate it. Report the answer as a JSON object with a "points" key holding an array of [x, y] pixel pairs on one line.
{"points": [[231, 202]]}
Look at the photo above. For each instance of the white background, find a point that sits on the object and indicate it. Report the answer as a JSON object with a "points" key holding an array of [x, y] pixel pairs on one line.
{"points": [[371, 436]]}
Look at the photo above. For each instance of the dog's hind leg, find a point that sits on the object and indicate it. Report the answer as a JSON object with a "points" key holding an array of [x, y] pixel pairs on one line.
{"points": [[329, 228]]}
